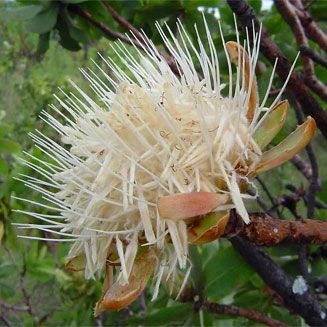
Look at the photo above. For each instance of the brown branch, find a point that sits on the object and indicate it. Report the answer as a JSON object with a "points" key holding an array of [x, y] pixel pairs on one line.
{"points": [[268, 231], [5, 320], [13, 307], [312, 30], [269, 195], [302, 166], [107, 32], [303, 303], [138, 35], [315, 183], [232, 310], [288, 201], [288, 13], [314, 186], [114, 35], [313, 55], [274, 92], [318, 204], [269, 49], [123, 22]]}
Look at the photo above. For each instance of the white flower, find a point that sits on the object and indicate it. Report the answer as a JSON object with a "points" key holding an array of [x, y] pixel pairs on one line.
{"points": [[148, 134]]}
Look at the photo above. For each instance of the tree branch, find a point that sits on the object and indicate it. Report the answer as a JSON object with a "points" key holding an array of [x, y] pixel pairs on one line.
{"points": [[311, 194], [268, 231], [312, 30], [288, 13], [114, 35], [303, 303], [232, 310], [123, 22], [267, 191], [313, 55], [5, 320], [302, 166], [13, 307], [269, 49]]}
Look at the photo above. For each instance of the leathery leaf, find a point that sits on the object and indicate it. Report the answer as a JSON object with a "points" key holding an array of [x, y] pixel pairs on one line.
{"points": [[209, 228], [117, 296], [288, 148], [271, 125]]}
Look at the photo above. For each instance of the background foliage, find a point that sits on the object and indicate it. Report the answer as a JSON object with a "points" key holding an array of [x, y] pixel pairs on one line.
{"points": [[42, 45]]}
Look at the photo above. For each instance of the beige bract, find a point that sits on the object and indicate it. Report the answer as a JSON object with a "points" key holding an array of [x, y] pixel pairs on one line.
{"points": [[156, 161]]}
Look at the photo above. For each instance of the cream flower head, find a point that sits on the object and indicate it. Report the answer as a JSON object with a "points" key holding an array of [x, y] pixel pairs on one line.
{"points": [[156, 160]]}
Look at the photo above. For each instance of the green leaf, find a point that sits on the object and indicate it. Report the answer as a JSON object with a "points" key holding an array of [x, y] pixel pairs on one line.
{"points": [[283, 315], [8, 146], [163, 316], [322, 195], [65, 38], [256, 5], [194, 4], [319, 268], [7, 269], [43, 44], [5, 129], [272, 124], [24, 12], [44, 21], [252, 299], [74, 1], [288, 148], [155, 10], [77, 34], [3, 166], [6, 291], [225, 272]]}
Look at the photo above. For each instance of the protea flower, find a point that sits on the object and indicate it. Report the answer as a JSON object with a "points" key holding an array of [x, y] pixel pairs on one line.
{"points": [[156, 161]]}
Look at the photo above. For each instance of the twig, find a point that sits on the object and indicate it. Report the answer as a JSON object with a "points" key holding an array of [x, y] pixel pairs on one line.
{"points": [[270, 50], [288, 13], [13, 307], [303, 303], [274, 92], [232, 310], [123, 22], [114, 35], [313, 55], [142, 304], [266, 190], [27, 297], [320, 285], [313, 31], [314, 186], [109, 33], [265, 230], [318, 204], [261, 203], [289, 202], [302, 166], [5, 320], [98, 321], [22, 285], [303, 261]]}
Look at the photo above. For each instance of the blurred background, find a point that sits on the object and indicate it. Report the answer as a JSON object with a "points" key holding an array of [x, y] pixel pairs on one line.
{"points": [[42, 45]]}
